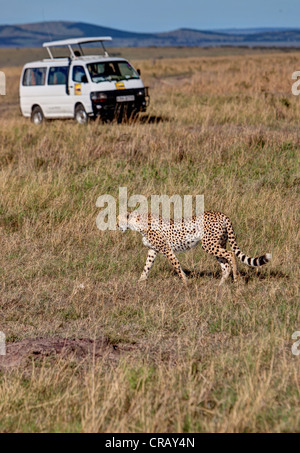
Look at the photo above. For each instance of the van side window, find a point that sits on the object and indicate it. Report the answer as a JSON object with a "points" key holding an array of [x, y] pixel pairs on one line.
{"points": [[58, 75], [78, 74], [34, 76]]}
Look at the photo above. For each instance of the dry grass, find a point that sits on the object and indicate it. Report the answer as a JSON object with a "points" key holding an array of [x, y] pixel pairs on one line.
{"points": [[202, 359], [20, 56]]}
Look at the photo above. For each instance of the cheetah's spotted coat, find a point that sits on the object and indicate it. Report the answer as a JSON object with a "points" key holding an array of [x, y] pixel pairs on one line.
{"points": [[213, 229]]}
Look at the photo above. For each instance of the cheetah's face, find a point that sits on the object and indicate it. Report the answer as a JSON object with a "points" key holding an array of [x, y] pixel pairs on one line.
{"points": [[130, 220], [122, 222]]}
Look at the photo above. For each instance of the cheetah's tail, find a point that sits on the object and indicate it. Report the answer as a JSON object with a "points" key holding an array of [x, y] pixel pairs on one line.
{"points": [[258, 261]]}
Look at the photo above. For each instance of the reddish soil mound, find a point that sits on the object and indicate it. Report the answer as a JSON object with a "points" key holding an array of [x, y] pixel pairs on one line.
{"points": [[80, 349]]}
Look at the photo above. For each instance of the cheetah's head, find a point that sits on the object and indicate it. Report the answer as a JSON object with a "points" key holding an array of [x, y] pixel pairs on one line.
{"points": [[122, 222], [130, 220]]}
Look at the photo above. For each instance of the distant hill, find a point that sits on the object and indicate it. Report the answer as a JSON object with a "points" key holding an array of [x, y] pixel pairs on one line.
{"points": [[33, 35], [248, 31]]}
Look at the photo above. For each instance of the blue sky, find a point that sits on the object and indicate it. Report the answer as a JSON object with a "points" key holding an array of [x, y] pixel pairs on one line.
{"points": [[156, 15]]}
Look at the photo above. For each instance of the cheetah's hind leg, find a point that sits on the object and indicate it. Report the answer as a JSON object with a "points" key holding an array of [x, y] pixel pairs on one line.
{"points": [[227, 265], [221, 253], [226, 268]]}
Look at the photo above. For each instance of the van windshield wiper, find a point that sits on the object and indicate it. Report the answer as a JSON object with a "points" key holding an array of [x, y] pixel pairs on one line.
{"points": [[115, 78], [109, 79]]}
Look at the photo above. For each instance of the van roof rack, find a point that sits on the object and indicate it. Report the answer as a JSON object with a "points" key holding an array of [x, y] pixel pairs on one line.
{"points": [[76, 42]]}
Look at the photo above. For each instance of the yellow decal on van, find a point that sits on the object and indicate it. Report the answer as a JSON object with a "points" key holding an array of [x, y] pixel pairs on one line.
{"points": [[77, 88], [120, 86]]}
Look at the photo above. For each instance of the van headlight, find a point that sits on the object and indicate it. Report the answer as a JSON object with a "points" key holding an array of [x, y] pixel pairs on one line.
{"points": [[141, 93], [97, 96]]}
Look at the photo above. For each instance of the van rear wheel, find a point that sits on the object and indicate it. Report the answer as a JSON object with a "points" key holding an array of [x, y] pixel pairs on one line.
{"points": [[81, 116], [37, 116]]}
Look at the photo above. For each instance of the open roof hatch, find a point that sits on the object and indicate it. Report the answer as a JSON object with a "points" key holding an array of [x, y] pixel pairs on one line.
{"points": [[76, 41]]}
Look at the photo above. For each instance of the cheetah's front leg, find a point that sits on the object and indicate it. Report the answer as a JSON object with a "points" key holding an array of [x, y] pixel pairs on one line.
{"points": [[170, 255], [149, 263], [166, 250]]}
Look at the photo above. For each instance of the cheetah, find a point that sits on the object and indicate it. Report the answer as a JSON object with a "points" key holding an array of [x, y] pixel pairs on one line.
{"points": [[213, 229]]}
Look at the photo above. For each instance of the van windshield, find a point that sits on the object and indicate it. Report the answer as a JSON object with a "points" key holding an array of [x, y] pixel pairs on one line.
{"points": [[112, 70]]}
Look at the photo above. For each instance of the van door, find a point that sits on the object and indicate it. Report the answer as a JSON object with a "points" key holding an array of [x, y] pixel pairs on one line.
{"points": [[79, 87], [58, 104]]}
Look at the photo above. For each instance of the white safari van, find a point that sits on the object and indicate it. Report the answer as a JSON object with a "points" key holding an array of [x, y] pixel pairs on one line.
{"points": [[81, 86]]}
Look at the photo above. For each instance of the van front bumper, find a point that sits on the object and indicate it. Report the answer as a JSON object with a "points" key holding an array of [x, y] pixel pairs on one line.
{"points": [[109, 103]]}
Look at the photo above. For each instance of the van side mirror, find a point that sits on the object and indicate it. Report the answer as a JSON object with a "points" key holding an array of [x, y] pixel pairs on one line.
{"points": [[84, 79], [138, 71]]}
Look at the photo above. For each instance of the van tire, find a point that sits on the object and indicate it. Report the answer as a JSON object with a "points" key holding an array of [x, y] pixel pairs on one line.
{"points": [[37, 116], [81, 116]]}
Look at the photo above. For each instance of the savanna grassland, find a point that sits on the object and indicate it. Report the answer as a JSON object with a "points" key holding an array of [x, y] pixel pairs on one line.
{"points": [[201, 359]]}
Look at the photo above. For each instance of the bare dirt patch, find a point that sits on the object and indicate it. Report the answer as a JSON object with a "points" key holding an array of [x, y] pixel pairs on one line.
{"points": [[19, 353]]}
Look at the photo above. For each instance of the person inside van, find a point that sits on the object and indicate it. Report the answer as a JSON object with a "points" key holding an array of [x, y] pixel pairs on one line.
{"points": [[93, 71], [79, 75], [58, 75], [40, 76], [109, 70]]}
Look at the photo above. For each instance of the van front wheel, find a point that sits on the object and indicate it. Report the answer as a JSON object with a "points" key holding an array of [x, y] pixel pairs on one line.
{"points": [[80, 115], [37, 116]]}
